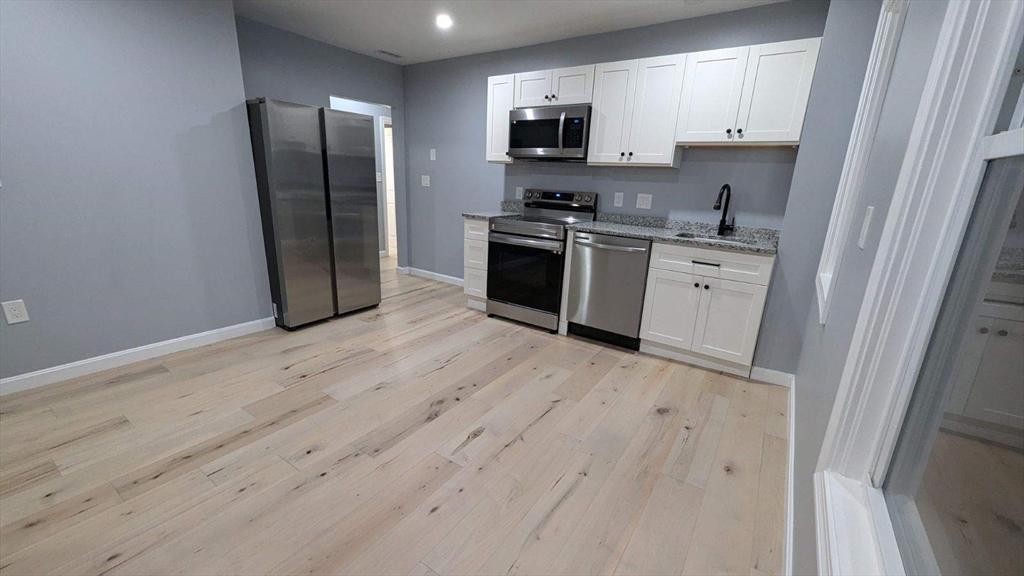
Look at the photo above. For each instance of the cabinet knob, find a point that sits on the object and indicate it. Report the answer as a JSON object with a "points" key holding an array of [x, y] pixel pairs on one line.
{"points": [[1002, 332], [621, 154], [739, 130], [631, 154], [696, 284], [554, 97], [728, 130], [983, 330], [706, 287], [546, 97]]}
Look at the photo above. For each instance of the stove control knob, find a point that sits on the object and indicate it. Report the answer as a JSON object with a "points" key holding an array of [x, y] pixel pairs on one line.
{"points": [[576, 198], [529, 194], [587, 199]]}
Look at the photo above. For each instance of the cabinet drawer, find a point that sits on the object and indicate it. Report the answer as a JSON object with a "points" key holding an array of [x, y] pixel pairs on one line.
{"points": [[475, 230], [475, 254], [475, 283], [740, 267]]}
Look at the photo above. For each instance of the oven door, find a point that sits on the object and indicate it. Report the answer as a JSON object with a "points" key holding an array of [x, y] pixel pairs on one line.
{"points": [[550, 133], [525, 272]]}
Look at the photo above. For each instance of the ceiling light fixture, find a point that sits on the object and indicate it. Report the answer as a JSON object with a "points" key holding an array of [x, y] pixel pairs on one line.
{"points": [[443, 21]]}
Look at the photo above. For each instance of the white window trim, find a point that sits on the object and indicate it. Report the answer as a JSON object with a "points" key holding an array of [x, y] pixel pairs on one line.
{"points": [[865, 124], [930, 209]]}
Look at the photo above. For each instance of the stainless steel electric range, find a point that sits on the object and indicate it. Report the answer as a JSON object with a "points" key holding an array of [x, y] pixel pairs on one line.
{"points": [[526, 256]]}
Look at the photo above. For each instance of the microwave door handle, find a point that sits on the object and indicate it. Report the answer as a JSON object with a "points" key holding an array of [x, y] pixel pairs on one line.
{"points": [[561, 130]]}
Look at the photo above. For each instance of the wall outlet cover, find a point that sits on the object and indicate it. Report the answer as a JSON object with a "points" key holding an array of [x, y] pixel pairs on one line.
{"points": [[618, 198], [425, 181], [15, 312], [433, 154], [380, 177], [519, 192], [643, 201]]}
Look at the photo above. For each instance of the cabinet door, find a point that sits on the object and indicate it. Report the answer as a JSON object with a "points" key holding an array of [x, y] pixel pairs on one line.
{"points": [[728, 319], [712, 86], [670, 308], [652, 136], [533, 89], [475, 254], [612, 112], [499, 104], [475, 283], [572, 85], [998, 391], [775, 90]]}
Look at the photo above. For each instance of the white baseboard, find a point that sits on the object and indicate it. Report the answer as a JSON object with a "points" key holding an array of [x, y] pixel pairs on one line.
{"points": [[787, 559], [699, 360], [124, 357], [772, 377], [430, 275], [402, 269], [477, 304]]}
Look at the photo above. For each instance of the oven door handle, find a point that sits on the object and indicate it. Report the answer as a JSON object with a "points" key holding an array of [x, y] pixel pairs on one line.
{"points": [[561, 130], [549, 245], [609, 247]]}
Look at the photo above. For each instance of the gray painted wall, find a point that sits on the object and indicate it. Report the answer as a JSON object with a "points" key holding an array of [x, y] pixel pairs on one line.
{"points": [[127, 214], [825, 347], [447, 102], [286, 66]]}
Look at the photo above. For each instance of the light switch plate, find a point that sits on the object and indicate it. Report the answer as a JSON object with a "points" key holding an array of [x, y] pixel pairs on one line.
{"points": [[15, 312], [643, 201], [519, 192], [425, 181], [433, 154], [380, 177], [618, 198]]}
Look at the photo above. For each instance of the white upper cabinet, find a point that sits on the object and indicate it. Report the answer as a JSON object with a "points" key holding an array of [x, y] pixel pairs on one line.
{"points": [[612, 112], [563, 86], [712, 87], [775, 91], [533, 89], [655, 106], [499, 104], [752, 95], [572, 85]]}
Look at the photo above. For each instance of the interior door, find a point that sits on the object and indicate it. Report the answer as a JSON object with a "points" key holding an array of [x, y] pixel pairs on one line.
{"points": [[572, 85], [712, 86], [499, 103], [533, 89], [612, 111], [728, 319], [775, 91], [655, 108], [670, 308]]}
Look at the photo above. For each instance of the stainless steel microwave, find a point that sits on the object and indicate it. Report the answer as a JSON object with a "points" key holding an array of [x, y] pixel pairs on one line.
{"points": [[552, 133]]}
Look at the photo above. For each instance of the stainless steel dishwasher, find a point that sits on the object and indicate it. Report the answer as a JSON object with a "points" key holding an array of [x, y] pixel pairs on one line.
{"points": [[607, 277]]}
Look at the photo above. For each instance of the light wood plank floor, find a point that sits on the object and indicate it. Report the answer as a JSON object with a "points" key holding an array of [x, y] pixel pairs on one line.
{"points": [[417, 438]]}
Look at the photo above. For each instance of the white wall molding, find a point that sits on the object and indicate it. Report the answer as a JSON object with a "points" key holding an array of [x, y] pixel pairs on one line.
{"points": [[865, 125], [772, 377], [130, 356], [430, 275], [787, 559]]}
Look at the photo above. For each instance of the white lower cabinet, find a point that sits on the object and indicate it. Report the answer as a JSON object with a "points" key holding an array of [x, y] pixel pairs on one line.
{"points": [[474, 259], [475, 284], [704, 318]]}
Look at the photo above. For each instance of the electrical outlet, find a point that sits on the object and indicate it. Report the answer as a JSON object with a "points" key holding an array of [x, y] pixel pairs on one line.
{"points": [[433, 154], [618, 198], [15, 312], [425, 181], [519, 192], [380, 177], [643, 201]]}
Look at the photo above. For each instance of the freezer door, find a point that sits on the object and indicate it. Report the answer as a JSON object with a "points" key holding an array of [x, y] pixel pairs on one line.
{"points": [[290, 179], [352, 186]]}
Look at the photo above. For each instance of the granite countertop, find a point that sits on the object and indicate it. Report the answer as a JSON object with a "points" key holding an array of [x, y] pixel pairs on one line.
{"points": [[1010, 266], [487, 215], [751, 240]]}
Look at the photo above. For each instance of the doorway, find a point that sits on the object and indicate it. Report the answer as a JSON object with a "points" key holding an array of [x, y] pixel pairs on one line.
{"points": [[390, 248]]}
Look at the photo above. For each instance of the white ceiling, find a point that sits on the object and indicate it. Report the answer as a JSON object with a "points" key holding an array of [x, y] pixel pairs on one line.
{"points": [[406, 27]]}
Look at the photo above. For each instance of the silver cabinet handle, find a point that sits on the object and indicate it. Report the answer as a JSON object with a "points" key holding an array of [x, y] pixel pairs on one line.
{"points": [[610, 247]]}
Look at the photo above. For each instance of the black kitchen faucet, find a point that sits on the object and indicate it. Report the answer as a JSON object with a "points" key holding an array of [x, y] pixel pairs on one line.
{"points": [[723, 226]]}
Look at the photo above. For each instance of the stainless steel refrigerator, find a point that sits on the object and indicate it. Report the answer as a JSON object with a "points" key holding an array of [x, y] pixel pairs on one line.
{"points": [[316, 178]]}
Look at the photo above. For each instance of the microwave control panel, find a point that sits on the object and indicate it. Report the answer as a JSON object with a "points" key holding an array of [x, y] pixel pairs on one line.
{"points": [[573, 135]]}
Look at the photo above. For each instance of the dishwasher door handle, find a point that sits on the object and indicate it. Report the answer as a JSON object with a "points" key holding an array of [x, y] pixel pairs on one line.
{"points": [[610, 247]]}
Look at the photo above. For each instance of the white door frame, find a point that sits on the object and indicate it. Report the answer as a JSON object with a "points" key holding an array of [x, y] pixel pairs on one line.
{"points": [[386, 121], [930, 209]]}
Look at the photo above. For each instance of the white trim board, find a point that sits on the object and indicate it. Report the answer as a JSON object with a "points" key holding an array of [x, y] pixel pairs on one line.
{"points": [[787, 558], [130, 356], [772, 377], [430, 275]]}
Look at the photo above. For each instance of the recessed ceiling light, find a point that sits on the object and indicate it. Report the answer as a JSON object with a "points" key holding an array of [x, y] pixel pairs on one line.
{"points": [[443, 21]]}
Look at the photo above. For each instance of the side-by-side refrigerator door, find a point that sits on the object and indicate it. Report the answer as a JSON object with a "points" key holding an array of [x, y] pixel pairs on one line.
{"points": [[352, 189], [296, 234]]}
